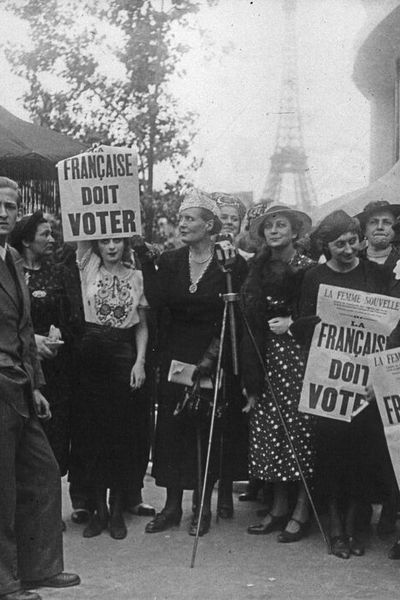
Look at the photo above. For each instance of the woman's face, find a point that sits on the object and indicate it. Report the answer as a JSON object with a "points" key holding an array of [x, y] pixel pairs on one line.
{"points": [[344, 251], [111, 250], [278, 231], [230, 220], [43, 242], [192, 227]]}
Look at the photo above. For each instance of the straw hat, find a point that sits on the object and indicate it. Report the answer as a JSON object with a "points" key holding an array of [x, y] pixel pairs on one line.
{"points": [[258, 214]]}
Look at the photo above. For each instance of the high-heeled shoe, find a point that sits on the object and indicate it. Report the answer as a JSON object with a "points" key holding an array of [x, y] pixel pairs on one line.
{"points": [[163, 520], [96, 525], [204, 524], [286, 537], [275, 524], [356, 547], [340, 546]]}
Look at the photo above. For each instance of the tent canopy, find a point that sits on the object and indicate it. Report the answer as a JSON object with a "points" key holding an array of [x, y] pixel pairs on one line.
{"points": [[29, 151], [386, 188]]}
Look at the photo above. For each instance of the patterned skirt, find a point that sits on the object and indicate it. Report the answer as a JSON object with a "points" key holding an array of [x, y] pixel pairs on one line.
{"points": [[270, 456]]}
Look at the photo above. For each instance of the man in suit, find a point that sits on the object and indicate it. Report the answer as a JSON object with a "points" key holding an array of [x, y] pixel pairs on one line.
{"points": [[31, 553]]}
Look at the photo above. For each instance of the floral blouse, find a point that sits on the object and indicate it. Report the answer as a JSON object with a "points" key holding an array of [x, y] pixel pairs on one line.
{"points": [[109, 299]]}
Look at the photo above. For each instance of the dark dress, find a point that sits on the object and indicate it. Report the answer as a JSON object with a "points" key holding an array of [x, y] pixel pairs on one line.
{"points": [[193, 321], [270, 456], [50, 305], [352, 457]]}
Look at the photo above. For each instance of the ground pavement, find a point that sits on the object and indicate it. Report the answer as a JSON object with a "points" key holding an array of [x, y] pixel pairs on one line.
{"points": [[230, 565]]}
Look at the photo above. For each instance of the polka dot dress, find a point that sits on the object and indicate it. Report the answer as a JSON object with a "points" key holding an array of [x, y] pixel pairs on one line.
{"points": [[270, 456]]}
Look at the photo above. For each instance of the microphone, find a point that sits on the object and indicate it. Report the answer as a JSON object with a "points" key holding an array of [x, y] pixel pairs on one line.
{"points": [[225, 251]]}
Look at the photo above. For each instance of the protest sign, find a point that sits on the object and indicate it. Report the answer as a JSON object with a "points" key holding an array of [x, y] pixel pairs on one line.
{"points": [[385, 376], [99, 194], [353, 325]]}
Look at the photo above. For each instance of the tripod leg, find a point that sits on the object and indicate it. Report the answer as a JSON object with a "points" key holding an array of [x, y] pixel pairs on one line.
{"points": [[199, 469], [210, 436]]}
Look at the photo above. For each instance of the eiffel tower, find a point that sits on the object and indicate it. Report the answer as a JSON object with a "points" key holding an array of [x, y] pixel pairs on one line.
{"points": [[289, 178]]}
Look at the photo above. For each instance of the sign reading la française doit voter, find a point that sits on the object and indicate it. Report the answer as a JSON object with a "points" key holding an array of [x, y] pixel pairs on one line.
{"points": [[99, 194], [353, 325], [385, 376]]}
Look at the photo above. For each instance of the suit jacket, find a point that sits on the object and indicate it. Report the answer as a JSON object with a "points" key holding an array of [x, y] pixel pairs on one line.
{"points": [[20, 370]]}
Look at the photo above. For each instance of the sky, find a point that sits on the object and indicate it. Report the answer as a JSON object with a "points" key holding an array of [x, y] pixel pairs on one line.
{"points": [[236, 93]]}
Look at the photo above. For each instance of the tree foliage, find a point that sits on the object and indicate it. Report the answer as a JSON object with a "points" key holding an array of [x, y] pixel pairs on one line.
{"points": [[100, 70]]}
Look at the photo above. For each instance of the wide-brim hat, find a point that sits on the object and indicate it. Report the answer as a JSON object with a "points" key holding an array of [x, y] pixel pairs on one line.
{"points": [[258, 213], [375, 207]]}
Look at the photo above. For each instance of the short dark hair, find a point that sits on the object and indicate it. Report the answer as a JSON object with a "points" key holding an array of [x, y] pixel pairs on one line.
{"points": [[25, 230]]}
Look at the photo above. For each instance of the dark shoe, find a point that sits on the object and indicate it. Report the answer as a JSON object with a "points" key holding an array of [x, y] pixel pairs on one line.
{"points": [[21, 595], [394, 552], [204, 524], [62, 580], [118, 530], [163, 521], [356, 548], [340, 546], [80, 515], [142, 510], [286, 537], [95, 526], [275, 524]]}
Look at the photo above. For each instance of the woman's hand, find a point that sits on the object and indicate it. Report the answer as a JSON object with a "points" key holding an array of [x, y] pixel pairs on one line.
{"points": [[41, 406], [280, 325], [44, 351], [250, 401], [369, 393], [138, 375]]}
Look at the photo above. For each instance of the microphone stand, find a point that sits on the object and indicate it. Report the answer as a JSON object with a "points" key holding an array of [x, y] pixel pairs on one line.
{"points": [[230, 300]]}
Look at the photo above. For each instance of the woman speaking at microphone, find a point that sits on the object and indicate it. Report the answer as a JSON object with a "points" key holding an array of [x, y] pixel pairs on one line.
{"points": [[189, 283]]}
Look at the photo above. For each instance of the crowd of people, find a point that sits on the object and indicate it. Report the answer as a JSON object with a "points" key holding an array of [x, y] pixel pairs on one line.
{"points": [[120, 349]]}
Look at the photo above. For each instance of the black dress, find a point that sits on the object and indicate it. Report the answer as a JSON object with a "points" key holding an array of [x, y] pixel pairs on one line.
{"points": [[353, 460], [194, 320], [50, 305]]}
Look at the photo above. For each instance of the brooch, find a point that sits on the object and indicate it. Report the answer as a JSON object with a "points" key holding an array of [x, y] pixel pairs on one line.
{"points": [[39, 294]]}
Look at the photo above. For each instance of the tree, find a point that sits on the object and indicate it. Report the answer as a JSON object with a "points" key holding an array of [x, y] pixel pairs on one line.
{"points": [[100, 70]]}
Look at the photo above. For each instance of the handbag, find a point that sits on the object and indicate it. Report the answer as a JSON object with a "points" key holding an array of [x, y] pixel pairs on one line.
{"points": [[197, 405]]}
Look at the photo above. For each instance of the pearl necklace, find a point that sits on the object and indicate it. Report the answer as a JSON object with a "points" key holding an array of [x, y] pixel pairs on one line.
{"points": [[206, 262]]}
